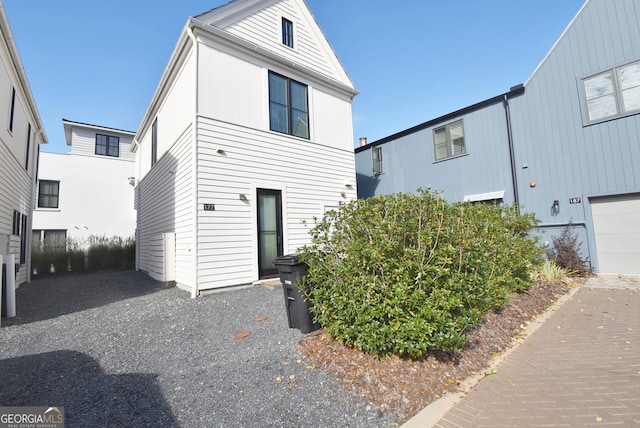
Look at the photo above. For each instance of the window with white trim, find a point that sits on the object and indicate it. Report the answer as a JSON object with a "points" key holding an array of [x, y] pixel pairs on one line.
{"points": [[287, 32], [613, 93], [448, 140], [288, 106]]}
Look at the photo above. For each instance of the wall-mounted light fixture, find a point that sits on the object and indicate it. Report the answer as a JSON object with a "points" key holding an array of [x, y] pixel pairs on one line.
{"points": [[242, 197], [220, 152], [132, 181], [555, 208]]}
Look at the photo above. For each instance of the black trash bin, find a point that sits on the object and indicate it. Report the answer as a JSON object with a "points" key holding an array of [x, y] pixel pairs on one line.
{"points": [[292, 272]]}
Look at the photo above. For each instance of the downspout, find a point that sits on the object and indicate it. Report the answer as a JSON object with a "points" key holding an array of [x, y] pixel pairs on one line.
{"points": [[512, 158], [194, 290]]}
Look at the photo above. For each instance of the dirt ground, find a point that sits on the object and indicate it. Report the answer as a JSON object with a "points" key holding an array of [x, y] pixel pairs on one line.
{"points": [[405, 387]]}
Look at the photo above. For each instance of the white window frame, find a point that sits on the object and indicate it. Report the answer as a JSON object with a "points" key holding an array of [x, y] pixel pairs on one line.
{"points": [[616, 97], [290, 41]]}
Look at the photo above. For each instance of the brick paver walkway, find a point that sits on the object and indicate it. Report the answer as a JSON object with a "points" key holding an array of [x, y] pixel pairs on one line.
{"points": [[580, 368]]}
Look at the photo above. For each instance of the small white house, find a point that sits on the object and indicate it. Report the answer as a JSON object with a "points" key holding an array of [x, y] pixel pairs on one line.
{"points": [[88, 191], [248, 134], [21, 134]]}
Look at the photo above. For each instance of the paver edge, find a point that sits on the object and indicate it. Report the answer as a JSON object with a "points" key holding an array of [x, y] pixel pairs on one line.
{"points": [[435, 411]]}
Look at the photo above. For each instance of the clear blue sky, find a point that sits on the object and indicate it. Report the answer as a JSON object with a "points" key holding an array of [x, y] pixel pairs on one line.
{"points": [[99, 62]]}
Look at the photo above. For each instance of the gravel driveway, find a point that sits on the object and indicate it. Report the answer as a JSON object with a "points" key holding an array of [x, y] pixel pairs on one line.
{"points": [[119, 349]]}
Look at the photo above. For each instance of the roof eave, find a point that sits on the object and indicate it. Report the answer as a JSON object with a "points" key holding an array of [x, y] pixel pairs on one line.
{"points": [[5, 28]]}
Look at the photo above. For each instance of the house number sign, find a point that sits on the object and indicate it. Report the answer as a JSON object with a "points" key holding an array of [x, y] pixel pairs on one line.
{"points": [[575, 200], [209, 207]]}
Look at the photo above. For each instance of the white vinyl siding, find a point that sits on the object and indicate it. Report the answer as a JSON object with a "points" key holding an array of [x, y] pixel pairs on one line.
{"points": [[165, 205], [18, 190], [310, 47], [310, 177], [84, 142]]}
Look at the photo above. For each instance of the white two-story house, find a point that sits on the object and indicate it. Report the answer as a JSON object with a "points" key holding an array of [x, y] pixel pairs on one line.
{"points": [[21, 134], [88, 191], [248, 134]]}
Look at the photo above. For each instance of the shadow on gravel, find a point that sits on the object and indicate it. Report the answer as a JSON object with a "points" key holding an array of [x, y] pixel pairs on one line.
{"points": [[89, 396], [55, 296]]}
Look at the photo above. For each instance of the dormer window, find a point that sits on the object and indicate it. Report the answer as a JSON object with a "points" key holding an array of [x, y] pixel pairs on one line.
{"points": [[107, 145], [287, 32]]}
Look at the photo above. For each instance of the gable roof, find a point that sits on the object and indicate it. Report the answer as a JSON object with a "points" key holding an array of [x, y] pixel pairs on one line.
{"points": [[243, 17], [225, 23], [70, 124], [553, 48]]}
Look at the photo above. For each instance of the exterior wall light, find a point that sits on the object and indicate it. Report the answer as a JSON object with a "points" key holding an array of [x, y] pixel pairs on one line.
{"points": [[555, 208], [242, 197]]}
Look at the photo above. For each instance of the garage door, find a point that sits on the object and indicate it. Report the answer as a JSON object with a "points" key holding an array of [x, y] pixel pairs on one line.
{"points": [[616, 223]]}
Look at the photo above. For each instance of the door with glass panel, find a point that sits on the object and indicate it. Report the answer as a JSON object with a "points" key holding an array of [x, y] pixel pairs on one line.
{"points": [[269, 231]]}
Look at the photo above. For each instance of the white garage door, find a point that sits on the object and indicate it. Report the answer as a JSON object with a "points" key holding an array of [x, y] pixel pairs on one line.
{"points": [[616, 223]]}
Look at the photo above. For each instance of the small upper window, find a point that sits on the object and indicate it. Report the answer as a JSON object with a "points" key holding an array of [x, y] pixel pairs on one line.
{"points": [[26, 162], [613, 93], [107, 145], [154, 142], [287, 32], [376, 157], [448, 141], [12, 108], [48, 193]]}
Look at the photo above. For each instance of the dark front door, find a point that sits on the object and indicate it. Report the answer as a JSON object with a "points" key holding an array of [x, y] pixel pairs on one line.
{"points": [[269, 231]]}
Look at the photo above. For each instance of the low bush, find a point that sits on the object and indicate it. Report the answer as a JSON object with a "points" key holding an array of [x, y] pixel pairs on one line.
{"points": [[550, 271], [406, 273], [565, 252]]}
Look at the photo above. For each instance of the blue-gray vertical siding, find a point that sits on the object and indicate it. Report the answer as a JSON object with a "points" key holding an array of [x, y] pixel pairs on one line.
{"points": [[409, 161], [557, 155], [566, 157]]}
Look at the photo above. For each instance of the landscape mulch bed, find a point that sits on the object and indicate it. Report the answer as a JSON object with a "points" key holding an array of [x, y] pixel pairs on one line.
{"points": [[403, 386]]}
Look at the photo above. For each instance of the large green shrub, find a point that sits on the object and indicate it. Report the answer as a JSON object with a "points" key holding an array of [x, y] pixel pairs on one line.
{"points": [[408, 273]]}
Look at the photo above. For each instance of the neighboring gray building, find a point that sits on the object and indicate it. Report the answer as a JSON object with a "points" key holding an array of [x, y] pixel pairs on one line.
{"points": [[565, 145]]}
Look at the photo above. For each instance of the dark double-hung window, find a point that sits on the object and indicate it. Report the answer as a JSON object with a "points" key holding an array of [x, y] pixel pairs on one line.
{"points": [[107, 145], [48, 194], [288, 106], [287, 32]]}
